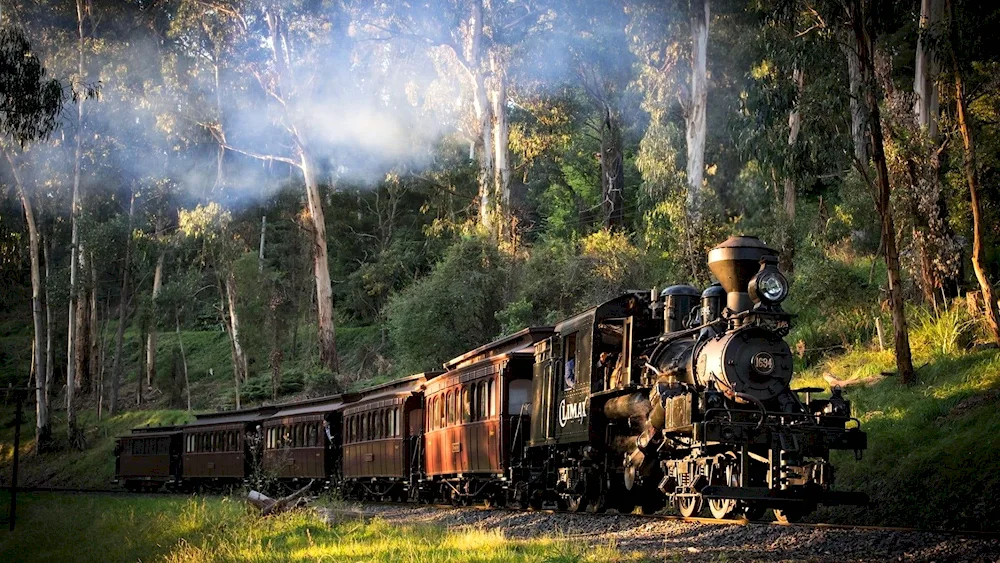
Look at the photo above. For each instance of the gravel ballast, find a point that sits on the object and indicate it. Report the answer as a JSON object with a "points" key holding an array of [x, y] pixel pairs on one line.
{"points": [[691, 541]]}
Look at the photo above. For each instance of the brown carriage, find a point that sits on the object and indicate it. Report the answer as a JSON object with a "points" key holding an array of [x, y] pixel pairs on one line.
{"points": [[476, 419], [302, 440], [219, 447], [149, 458], [382, 439]]}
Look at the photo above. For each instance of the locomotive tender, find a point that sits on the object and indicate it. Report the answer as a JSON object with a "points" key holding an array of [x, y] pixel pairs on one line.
{"points": [[649, 398]]}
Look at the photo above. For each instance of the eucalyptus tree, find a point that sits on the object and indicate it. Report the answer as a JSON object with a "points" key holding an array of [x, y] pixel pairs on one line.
{"points": [[586, 47], [478, 38], [973, 59], [274, 55], [29, 107]]}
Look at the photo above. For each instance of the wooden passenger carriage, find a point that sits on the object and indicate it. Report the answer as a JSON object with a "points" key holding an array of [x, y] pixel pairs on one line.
{"points": [[149, 458], [382, 439], [302, 440], [476, 418], [216, 449]]}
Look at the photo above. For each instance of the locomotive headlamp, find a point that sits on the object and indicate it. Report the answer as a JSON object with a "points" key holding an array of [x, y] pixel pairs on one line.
{"points": [[769, 286]]}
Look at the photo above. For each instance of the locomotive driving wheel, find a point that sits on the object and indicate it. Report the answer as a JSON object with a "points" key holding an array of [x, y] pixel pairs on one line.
{"points": [[723, 508], [689, 506]]}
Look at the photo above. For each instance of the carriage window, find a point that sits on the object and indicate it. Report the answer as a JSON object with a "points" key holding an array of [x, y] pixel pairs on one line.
{"points": [[490, 403], [437, 412], [466, 405], [395, 422]]}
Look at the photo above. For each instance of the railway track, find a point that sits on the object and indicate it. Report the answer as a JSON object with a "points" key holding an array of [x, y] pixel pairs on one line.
{"points": [[717, 522]]}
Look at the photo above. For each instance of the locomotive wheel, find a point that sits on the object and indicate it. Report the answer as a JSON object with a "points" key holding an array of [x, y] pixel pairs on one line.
{"points": [[788, 515], [573, 503], [723, 508], [754, 512], [689, 506]]}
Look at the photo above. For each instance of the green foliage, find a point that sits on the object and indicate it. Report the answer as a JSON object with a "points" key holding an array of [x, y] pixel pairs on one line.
{"points": [[452, 309], [559, 279], [835, 302], [29, 103]]}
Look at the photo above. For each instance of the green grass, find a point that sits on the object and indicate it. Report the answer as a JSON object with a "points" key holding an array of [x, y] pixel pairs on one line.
{"points": [[96, 528]]}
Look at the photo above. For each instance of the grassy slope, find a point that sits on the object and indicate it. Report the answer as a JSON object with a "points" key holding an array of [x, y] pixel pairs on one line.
{"points": [[934, 447], [175, 529]]}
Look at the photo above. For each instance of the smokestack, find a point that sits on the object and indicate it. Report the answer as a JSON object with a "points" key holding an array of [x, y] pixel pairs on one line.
{"points": [[734, 263]]}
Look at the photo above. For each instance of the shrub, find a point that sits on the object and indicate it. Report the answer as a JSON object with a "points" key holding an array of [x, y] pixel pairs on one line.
{"points": [[451, 310]]}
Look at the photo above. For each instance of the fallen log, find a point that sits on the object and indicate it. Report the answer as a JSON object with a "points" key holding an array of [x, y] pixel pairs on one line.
{"points": [[269, 506], [844, 383]]}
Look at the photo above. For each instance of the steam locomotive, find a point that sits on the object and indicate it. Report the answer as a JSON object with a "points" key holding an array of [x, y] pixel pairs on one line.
{"points": [[678, 397]]}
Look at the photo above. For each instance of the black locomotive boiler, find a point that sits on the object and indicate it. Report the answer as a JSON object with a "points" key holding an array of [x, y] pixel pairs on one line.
{"points": [[677, 396], [645, 400]]}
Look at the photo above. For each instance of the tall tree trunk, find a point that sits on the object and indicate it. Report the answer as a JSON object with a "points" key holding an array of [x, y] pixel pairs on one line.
{"points": [[859, 111], [38, 345], [474, 50], [184, 364], [239, 355], [83, 328], [484, 118], [263, 234], [501, 148], [696, 111], [859, 15], [151, 337], [972, 177], [612, 170], [73, 431], [925, 86], [116, 366], [789, 199], [324, 287], [139, 383], [93, 363], [50, 353]]}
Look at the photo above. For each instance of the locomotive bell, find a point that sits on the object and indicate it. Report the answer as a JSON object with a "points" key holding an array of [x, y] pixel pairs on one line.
{"points": [[734, 263]]}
